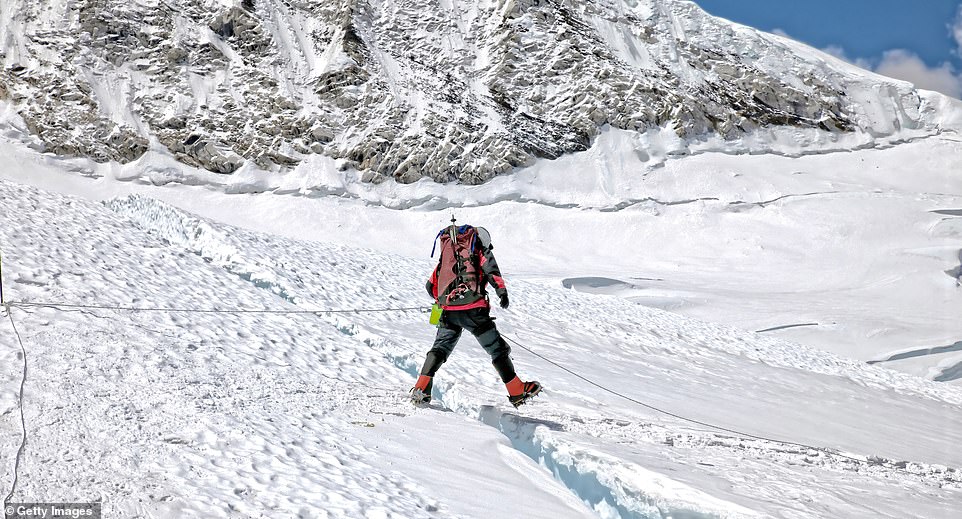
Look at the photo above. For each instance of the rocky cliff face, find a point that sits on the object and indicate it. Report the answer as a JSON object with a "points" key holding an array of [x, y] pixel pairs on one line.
{"points": [[450, 89]]}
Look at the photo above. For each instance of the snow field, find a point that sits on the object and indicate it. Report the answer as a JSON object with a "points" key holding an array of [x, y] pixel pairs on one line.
{"points": [[254, 415]]}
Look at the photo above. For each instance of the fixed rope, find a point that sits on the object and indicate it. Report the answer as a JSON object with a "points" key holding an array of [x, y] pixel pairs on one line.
{"points": [[36, 304], [671, 414], [7, 306], [23, 421], [32, 304]]}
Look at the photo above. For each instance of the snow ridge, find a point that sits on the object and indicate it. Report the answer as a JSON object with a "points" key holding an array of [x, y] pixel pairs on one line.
{"points": [[183, 230], [613, 487]]}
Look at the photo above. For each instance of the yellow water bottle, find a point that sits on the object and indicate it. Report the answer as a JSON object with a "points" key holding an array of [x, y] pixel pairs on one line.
{"points": [[435, 314]]}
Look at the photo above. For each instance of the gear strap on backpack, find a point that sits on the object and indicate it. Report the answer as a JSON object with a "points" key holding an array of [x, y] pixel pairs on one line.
{"points": [[459, 273]]}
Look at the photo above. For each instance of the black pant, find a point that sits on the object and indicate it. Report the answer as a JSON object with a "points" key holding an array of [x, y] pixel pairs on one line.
{"points": [[477, 321]]}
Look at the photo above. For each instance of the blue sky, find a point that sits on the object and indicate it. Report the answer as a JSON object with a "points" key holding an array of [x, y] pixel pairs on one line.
{"points": [[915, 40]]}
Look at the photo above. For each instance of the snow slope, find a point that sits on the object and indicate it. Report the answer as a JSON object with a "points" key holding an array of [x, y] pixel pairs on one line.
{"points": [[856, 251], [180, 414]]}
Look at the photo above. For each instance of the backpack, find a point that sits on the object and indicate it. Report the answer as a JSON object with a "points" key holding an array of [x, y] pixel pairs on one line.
{"points": [[459, 267]]}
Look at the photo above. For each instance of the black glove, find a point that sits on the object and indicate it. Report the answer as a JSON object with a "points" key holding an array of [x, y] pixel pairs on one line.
{"points": [[504, 299]]}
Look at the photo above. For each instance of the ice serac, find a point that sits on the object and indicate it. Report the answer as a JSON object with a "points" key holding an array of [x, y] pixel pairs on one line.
{"points": [[447, 89]]}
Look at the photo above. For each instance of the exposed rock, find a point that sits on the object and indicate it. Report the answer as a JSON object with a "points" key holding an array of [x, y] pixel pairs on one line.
{"points": [[483, 88], [235, 22], [208, 154]]}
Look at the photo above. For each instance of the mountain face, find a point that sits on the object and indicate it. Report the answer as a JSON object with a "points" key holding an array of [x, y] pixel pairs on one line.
{"points": [[449, 89]]}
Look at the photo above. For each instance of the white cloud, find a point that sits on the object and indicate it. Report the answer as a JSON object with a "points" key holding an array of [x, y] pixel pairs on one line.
{"points": [[837, 51], [781, 32], [907, 66]]}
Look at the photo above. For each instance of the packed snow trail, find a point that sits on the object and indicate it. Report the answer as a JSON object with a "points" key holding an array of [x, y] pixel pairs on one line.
{"points": [[265, 415]]}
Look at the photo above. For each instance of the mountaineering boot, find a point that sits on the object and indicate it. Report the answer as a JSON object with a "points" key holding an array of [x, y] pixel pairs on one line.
{"points": [[520, 392], [421, 392]]}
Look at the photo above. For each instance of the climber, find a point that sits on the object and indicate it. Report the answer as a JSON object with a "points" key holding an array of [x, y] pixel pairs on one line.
{"points": [[458, 285]]}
